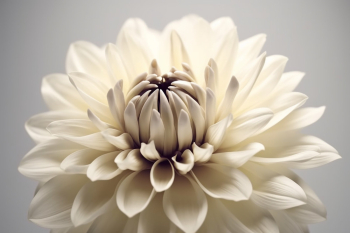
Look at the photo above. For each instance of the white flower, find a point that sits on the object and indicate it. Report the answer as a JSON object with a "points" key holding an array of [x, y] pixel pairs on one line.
{"points": [[187, 130]]}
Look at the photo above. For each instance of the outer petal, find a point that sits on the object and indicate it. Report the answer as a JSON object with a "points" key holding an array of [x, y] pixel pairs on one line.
{"points": [[43, 161], [59, 94], [93, 200], [104, 168], [135, 193], [36, 125], [185, 204], [110, 222], [224, 182], [48, 208]]}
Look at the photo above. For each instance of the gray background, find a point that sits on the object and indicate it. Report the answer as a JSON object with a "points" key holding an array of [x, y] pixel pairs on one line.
{"points": [[35, 35]]}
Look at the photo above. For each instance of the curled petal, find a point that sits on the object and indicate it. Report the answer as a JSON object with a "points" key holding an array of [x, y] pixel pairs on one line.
{"points": [[184, 163], [149, 151], [162, 175], [120, 140], [103, 168], [132, 160], [216, 132], [184, 131], [203, 153]]}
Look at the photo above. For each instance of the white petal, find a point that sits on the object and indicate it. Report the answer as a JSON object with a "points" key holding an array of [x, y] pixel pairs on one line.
{"points": [[153, 218], [132, 160], [93, 200], [219, 219], [134, 193], [131, 122], [120, 140], [104, 168], [149, 151], [224, 182], [79, 161], [36, 125], [80, 131], [255, 218], [273, 191], [246, 126], [225, 106], [138, 88], [282, 106], [115, 64], [301, 118], [110, 222], [185, 204], [59, 94], [43, 161], [166, 114], [216, 132], [288, 82], [87, 58], [199, 122], [157, 130], [287, 224], [162, 175], [184, 163], [97, 121], [184, 131], [145, 116], [210, 108], [203, 153], [116, 103], [178, 53], [238, 157], [48, 208]]}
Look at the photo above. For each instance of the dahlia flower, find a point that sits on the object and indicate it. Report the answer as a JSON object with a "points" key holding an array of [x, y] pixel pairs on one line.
{"points": [[185, 130]]}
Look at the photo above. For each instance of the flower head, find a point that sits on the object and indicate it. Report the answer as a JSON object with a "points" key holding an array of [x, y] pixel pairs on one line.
{"points": [[188, 130]]}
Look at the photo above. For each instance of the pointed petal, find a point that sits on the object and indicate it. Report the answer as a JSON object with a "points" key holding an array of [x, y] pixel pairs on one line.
{"points": [[184, 131], [203, 153], [185, 204], [134, 193], [224, 182], [238, 157], [210, 109], [120, 140], [48, 208], [145, 116], [93, 200], [43, 161], [59, 94], [166, 114], [149, 151], [36, 125], [216, 132], [199, 122], [157, 130], [115, 63], [116, 103], [79, 161], [131, 122], [104, 168], [97, 121], [132, 160]]}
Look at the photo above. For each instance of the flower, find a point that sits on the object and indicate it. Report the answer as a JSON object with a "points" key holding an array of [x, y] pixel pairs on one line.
{"points": [[187, 130]]}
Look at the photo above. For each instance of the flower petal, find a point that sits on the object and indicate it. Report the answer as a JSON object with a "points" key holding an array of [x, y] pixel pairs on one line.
{"points": [[43, 161], [59, 94], [183, 163], [93, 200], [48, 208], [224, 182], [87, 58], [134, 193], [149, 151], [112, 221], [79, 161], [184, 131], [153, 218], [115, 64], [238, 157], [300, 118], [225, 106], [199, 122], [145, 116], [166, 115], [203, 153], [162, 175], [36, 125], [219, 219], [132, 160], [185, 204], [80, 131], [120, 140], [116, 103], [157, 130], [216, 132], [104, 168]]}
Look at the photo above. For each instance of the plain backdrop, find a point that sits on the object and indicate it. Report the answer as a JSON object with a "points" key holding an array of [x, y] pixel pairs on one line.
{"points": [[35, 35]]}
